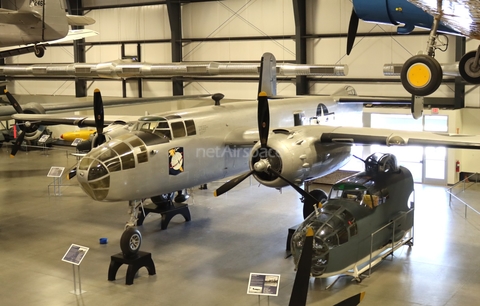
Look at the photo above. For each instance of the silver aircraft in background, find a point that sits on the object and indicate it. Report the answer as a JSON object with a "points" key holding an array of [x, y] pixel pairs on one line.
{"points": [[29, 25], [179, 149]]}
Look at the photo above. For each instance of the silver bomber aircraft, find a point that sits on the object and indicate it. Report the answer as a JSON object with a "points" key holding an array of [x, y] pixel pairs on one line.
{"points": [[180, 149]]}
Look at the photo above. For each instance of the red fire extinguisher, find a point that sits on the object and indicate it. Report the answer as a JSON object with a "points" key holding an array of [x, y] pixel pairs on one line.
{"points": [[457, 166]]}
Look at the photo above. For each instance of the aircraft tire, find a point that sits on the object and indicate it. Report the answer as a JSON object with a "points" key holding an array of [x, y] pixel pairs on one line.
{"points": [[421, 75], [130, 241], [39, 51], [318, 194], [465, 67]]}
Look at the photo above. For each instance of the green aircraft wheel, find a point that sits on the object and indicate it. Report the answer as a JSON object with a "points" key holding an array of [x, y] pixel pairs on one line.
{"points": [[467, 70], [421, 75], [130, 241]]}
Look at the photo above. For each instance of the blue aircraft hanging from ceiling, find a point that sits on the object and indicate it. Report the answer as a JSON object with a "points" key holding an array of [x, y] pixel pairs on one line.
{"points": [[422, 74]]}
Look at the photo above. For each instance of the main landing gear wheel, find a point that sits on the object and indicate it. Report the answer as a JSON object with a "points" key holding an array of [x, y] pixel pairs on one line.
{"points": [[421, 75], [130, 241], [39, 51], [318, 194], [467, 68]]}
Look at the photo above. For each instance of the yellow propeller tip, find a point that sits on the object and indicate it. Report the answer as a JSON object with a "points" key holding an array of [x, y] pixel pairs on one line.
{"points": [[309, 232], [215, 193], [262, 94], [12, 156], [362, 295], [5, 91], [96, 90]]}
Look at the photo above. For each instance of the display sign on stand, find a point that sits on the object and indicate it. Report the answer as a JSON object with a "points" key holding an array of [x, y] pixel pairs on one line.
{"points": [[263, 284], [56, 173], [76, 141], [75, 255]]}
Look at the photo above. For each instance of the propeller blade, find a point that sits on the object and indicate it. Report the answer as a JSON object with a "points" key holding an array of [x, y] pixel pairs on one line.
{"points": [[232, 183], [98, 111], [13, 102], [263, 114], [305, 194], [71, 174], [352, 301], [17, 144], [302, 277], [352, 31]]}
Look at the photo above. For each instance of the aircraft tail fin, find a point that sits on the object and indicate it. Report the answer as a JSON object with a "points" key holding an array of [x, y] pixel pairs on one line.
{"points": [[268, 75]]}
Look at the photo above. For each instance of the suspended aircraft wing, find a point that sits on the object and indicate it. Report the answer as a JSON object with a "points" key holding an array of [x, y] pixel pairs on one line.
{"points": [[82, 105], [373, 136]]}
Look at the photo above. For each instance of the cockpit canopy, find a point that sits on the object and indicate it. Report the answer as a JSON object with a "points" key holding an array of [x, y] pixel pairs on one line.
{"points": [[361, 189], [169, 127]]}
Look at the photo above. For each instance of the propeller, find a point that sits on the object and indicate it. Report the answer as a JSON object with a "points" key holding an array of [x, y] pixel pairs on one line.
{"points": [[302, 277], [99, 138], [99, 118], [352, 31]]}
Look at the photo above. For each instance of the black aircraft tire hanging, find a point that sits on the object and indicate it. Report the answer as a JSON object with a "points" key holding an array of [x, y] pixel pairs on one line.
{"points": [[465, 67], [421, 75], [130, 241]]}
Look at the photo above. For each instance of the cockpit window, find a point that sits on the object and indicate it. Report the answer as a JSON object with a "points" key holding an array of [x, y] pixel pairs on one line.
{"points": [[140, 150], [190, 125], [178, 129], [126, 155]]}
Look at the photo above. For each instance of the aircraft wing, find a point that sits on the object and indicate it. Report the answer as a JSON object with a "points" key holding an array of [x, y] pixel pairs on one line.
{"points": [[74, 35], [373, 136], [461, 15], [19, 17], [80, 121], [82, 105]]}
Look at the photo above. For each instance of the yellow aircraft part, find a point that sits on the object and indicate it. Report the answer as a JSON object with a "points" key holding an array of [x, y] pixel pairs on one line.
{"points": [[71, 136], [419, 75]]}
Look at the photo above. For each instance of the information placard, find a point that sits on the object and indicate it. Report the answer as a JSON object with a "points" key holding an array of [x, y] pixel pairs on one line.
{"points": [[76, 141], [263, 284], [44, 138], [75, 254], [55, 171]]}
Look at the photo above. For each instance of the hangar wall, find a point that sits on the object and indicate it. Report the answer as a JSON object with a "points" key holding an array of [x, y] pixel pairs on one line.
{"points": [[233, 19]]}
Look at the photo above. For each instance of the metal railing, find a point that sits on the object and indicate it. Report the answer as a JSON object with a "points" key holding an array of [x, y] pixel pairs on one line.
{"points": [[463, 184]]}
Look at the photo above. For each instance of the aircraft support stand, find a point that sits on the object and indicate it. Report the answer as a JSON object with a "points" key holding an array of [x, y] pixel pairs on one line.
{"points": [[142, 259], [167, 213]]}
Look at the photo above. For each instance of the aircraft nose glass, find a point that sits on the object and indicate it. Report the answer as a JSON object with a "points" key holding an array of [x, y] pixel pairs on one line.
{"points": [[97, 180]]}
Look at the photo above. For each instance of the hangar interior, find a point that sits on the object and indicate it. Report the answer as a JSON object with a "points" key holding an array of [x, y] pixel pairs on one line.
{"points": [[207, 261]]}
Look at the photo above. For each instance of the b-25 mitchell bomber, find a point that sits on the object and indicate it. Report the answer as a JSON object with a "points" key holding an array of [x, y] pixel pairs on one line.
{"points": [[180, 149]]}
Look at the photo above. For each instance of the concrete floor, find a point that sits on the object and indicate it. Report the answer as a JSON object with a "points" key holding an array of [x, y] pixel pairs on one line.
{"points": [[208, 261]]}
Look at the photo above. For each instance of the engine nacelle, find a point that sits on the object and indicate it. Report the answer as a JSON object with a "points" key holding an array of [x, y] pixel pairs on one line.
{"points": [[298, 156], [34, 131]]}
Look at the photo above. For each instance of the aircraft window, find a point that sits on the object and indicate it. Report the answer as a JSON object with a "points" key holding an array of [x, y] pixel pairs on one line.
{"points": [[178, 129], [163, 125], [136, 142], [100, 194], [84, 163], [102, 183], [126, 155], [190, 125], [107, 154], [147, 126], [141, 153], [353, 229], [113, 164], [342, 235], [164, 133], [170, 117], [328, 235], [97, 170]]}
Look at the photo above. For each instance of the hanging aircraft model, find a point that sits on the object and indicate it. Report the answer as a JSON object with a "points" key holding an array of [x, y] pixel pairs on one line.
{"points": [[421, 74], [29, 25], [180, 149]]}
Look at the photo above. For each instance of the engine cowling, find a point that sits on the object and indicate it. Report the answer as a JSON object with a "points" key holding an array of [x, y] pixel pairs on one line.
{"points": [[33, 131], [297, 155]]}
